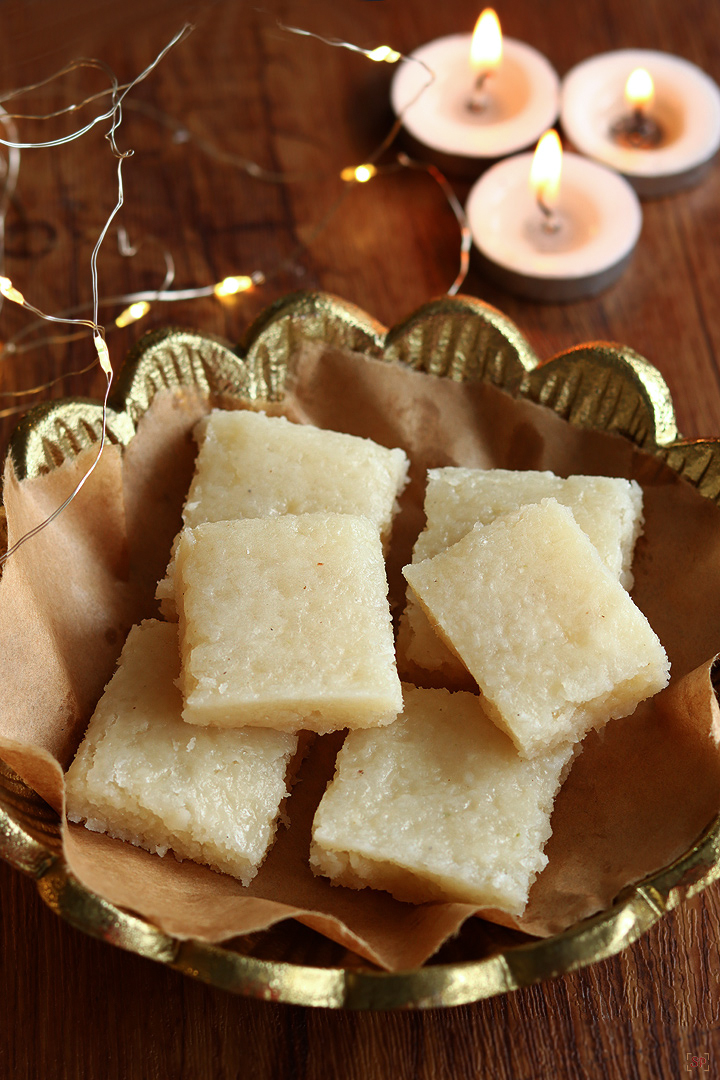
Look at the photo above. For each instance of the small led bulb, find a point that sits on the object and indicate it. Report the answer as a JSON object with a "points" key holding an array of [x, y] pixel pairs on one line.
{"points": [[133, 313], [360, 173], [384, 52], [8, 290], [231, 285], [103, 354]]}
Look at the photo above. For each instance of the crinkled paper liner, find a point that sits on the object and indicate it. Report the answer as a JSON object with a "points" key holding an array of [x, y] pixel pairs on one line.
{"points": [[637, 797]]}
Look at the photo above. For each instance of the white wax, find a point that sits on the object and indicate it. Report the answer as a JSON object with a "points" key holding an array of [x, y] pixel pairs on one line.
{"points": [[686, 106], [599, 224], [522, 95]]}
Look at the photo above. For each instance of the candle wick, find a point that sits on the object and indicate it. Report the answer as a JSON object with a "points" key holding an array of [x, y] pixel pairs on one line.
{"points": [[551, 221], [637, 131], [479, 100]]}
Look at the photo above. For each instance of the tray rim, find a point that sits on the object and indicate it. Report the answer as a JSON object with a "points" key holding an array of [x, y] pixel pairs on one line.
{"points": [[320, 316]]}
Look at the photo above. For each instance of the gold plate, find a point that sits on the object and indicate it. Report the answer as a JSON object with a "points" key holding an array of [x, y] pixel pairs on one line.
{"points": [[597, 386]]}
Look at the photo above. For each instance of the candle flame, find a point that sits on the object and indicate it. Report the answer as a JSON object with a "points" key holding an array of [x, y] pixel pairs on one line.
{"points": [[639, 89], [486, 44], [546, 169]]}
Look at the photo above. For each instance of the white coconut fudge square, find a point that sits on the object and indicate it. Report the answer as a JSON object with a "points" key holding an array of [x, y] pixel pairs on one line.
{"points": [[608, 509], [144, 776], [285, 622], [252, 465], [553, 640], [438, 806]]}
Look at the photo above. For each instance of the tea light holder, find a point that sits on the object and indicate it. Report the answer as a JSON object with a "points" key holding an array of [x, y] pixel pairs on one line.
{"points": [[686, 109], [521, 100], [580, 250]]}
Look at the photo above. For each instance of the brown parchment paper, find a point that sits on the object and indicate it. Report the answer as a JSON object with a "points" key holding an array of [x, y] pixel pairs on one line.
{"points": [[638, 795]]}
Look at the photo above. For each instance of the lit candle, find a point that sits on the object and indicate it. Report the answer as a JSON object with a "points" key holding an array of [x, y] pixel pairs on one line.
{"points": [[490, 96], [636, 128], [553, 226], [545, 173], [652, 116], [485, 56]]}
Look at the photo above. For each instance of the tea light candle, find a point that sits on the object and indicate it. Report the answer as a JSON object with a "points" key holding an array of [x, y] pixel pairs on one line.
{"points": [[682, 104], [551, 237], [491, 96]]}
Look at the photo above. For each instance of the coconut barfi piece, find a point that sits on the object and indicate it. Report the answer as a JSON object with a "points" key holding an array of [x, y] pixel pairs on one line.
{"points": [[285, 622], [555, 643], [250, 465], [608, 509], [438, 806], [143, 775]]}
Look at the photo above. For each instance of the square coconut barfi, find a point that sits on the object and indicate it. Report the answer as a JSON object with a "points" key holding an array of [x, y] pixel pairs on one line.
{"points": [[285, 622], [143, 775], [551, 637], [438, 806]]}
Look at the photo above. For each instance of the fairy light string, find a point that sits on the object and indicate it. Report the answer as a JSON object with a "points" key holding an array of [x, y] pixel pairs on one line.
{"points": [[9, 292], [138, 304]]}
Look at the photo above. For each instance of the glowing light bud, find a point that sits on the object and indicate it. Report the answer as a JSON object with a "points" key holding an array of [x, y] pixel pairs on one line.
{"points": [[384, 52], [229, 286], [8, 290], [133, 313], [639, 89], [361, 173], [103, 354], [486, 47], [546, 170]]}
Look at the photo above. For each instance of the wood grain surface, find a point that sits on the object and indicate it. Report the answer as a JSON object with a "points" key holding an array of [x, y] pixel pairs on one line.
{"points": [[71, 1007]]}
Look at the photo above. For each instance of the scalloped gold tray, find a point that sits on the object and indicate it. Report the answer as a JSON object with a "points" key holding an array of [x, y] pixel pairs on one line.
{"points": [[597, 386]]}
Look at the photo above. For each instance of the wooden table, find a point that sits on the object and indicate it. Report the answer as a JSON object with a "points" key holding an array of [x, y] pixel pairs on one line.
{"points": [[70, 1006]]}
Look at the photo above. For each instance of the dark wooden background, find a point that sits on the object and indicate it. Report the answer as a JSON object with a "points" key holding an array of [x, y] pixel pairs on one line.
{"points": [[69, 1006]]}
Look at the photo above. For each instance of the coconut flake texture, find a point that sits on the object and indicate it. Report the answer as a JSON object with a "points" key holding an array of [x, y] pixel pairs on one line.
{"points": [[438, 806], [251, 465], [285, 622], [141, 774], [608, 509], [554, 641]]}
